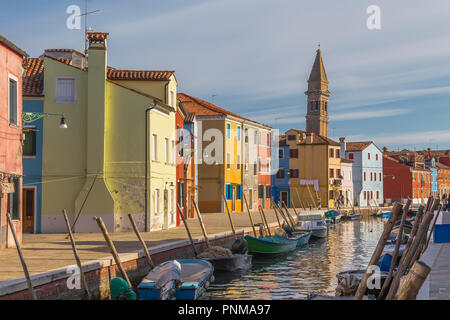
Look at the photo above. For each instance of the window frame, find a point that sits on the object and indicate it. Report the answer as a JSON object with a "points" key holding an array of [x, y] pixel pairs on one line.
{"points": [[16, 80], [26, 130], [57, 99]]}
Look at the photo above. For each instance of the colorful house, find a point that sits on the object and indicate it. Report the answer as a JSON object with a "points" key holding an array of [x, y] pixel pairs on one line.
{"points": [[190, 150], [250, 164], [367, 172], [443, 179], [264, 168], [405, 176], [33, 104], [220, 155], [347, 192], [315, 169], [11, 139], [97, 166], [280, 181]]}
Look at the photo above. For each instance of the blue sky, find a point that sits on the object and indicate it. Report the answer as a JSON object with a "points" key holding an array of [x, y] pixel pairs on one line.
{"points": [[391, 86]]}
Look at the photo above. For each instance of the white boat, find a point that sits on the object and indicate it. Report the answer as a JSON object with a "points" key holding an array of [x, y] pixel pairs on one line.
{"points": [[313, 222]]}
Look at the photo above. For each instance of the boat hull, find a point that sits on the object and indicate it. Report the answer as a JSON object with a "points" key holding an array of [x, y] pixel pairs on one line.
{"points": [[302, 237], [233, 263], [270, 245], [193, 286], [319, 233]]}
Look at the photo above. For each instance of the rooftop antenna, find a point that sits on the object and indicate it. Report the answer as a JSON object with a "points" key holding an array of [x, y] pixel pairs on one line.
{"points": [[85, 15]]}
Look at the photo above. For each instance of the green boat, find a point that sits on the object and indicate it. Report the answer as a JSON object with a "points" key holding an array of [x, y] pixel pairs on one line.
{"points": [[270, 245], [302, 237]]}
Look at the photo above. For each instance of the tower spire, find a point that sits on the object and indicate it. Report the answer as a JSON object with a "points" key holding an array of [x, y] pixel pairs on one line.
{"points": [[317, 106]]}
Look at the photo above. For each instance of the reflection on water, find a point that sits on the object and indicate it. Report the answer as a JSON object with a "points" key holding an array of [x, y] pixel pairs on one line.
{"points": [[309, 270]]}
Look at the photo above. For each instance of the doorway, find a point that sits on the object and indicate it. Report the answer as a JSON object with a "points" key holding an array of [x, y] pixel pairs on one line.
{"points": [[29, 209], [233, 202], [284, 198]]}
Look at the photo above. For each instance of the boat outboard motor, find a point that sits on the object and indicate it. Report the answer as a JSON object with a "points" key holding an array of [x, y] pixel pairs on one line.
{"points": [[239, 246], [169, 279]]}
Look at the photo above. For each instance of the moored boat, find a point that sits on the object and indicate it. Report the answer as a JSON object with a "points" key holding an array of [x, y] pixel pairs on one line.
{"points": [[302, 237], [270, 245], [233, 263], [184, 279], [315, 223]]}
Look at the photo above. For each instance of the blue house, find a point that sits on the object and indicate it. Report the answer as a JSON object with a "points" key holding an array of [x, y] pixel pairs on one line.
{"points": [[33, 104], [280, 180], [367, 172]]}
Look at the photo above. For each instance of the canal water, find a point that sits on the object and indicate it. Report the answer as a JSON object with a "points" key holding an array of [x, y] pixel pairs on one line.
{"points": [[308, 270]]}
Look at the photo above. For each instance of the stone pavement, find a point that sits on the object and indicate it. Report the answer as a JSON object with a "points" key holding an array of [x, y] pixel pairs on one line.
{"points": [[437, 284], [44, 252]]}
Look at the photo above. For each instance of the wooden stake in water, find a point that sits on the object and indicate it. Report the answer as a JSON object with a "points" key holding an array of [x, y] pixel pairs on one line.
{"points": [[287, 213], [229, 217], [187, 229], [112, 249], [250, 216], [276, 214], [141, 241], [202, 225], [265, 220], [75, 253], [378, 250], [22, 260]]}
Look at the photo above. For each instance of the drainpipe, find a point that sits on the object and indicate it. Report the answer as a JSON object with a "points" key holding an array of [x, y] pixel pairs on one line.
{"points": [[147, 128]]}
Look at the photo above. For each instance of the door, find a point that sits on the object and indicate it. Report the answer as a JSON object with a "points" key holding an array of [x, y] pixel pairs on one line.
{"points": [[284, 198], [29, 209], [233, 202], [166, 210]]}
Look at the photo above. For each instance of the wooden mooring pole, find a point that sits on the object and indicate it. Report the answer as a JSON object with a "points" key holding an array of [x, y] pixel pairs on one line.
{"points": [[265, 220], [75, 253], [22, 260], [229, 217], [413, 281], [202, 225], [288, 214], [141, 241], [250, 216], [276, 214], [187, 229], [112, 249], [378, 250]]}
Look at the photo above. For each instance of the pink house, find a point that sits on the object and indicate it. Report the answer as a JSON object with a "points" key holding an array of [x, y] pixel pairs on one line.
{"points": [[11, 60]]}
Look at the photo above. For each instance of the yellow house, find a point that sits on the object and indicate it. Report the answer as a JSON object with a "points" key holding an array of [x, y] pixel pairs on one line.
{"points": [[220, 166], [97, 166], [314, 169]]}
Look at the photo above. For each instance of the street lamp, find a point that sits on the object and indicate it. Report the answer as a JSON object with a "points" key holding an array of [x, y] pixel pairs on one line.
{"points": [[29, 117]]}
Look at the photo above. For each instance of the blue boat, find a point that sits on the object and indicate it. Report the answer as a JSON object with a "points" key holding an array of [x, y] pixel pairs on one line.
{"points": [[302, 237], [195, 277], [386, 214]]}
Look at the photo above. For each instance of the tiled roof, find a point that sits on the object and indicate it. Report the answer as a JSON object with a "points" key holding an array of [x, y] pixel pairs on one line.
{"points": [[347, 160], [317, 138], [33, 79], [114, 74], [65, 50], [13, 46], [357, 146], [318, 70], [190, 116], [205, 108], [97, 36]]}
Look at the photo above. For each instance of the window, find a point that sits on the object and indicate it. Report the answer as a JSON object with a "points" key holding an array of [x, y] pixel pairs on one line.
{"points": [[293, 173], [368, 156], [29, 145], [174, 154], [268, 192], [13, 199], [13, 101], [259, 165], [228, 161], [229, 192], [65, 90], [326, 106], [379, 176], [351, 156], [374, 176], [364, 176], [268, 139], [378, 194], [291, 137], [238, 133], [239, 162], [255, 169], [267, 165], [376, 157], [331, 153], [371, 176], [365, 195], [180, 143], [172, 98], [166, 146], [157, 201], [280, 173], [228, 131], [338, 153], [239, 192], [280, 154], [172, 201], [293, 153], [155, 147], [331, 173], [246, 135], [338, 173], [260, 192]]}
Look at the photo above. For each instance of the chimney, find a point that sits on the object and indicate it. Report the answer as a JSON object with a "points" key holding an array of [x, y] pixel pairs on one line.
{"points": [[343, 147], [309, 137], [97, 62], [385, 150]]}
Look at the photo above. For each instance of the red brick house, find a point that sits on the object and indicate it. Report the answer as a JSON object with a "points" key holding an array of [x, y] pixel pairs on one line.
{"points": [[405, 176], [11, 61]]}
